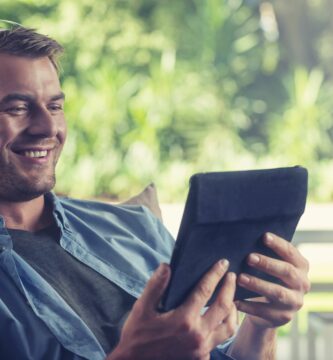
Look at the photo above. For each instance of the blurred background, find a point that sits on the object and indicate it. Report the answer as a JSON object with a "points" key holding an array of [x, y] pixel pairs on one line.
{"points": [[159, 90]]}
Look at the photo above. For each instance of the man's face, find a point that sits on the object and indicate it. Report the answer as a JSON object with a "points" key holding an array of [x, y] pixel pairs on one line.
{"points": [[32, 127]]}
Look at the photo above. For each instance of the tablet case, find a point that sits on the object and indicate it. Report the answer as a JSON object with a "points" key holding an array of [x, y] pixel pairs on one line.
{"points": [[226, 215]]}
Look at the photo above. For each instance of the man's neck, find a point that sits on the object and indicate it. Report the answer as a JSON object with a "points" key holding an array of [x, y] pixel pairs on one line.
{"points": [[29, 215]]}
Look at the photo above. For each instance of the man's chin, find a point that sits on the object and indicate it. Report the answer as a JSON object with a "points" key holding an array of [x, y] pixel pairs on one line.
{"points": [[17, 185], [28, 195], [28, 191]]}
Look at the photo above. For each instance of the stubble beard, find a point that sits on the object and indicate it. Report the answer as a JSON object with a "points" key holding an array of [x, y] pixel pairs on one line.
{"points": [[15, 187]]}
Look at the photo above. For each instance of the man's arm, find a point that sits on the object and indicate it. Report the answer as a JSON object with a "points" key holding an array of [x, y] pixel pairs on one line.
{"points": [[183, 333], [256, 339]]}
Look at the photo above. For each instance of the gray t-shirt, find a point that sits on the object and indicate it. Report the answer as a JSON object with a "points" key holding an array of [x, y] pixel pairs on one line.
{"points": [[101, 304]]}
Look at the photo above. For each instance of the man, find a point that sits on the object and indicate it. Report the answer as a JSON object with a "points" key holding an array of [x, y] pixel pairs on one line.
{"points": [[71, 270]]}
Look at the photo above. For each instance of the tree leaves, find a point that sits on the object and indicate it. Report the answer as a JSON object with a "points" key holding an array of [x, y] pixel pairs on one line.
{"points": [[159, 90]]}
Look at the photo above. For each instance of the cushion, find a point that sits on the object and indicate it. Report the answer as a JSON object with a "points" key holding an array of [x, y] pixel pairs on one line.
{"points": [[147, 197]]}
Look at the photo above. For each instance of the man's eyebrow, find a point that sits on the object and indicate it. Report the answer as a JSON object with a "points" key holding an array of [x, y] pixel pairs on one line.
{"points": [[28, 98], [60, 96], [16, 96]]}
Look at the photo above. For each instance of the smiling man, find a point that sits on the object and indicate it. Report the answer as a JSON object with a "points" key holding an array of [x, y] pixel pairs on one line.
{"points": [[78, 279], [29, 151]]}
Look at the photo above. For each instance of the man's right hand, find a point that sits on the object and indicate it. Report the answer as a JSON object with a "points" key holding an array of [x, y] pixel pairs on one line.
{"points": [[183, 333]]}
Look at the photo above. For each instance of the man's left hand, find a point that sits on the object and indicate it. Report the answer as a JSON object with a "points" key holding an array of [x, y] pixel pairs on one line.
{"points": [[279, 302]]}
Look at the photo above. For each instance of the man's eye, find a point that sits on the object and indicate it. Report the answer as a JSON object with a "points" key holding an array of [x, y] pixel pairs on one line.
{"points": [[17, 110], [55, 107]]}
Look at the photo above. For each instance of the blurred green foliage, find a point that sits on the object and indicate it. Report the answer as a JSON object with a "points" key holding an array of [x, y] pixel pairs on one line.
{"points": [[158, 90]]}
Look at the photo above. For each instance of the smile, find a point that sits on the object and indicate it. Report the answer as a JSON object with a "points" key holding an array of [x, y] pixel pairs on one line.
{"points": [[35, 154]]}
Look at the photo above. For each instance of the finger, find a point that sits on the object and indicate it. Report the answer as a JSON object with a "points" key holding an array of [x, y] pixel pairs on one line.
{"points": [[274, 292], [274, 315], [225, 329], [286, 272], [286, 250], [223, 303], [205, 288], [155, 288]]}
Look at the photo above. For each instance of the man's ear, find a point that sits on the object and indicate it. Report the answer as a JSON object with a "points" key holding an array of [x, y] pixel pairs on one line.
{"points": [[148, 197]]}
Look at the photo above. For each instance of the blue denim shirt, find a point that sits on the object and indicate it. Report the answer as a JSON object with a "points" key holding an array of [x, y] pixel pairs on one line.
{"points": [[123, 243]]}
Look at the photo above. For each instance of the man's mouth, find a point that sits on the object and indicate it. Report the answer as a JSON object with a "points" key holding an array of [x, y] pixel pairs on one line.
{"points": [[34, 154], [37, 153]]}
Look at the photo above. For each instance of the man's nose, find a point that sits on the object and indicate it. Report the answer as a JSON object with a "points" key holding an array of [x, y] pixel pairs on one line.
{"points": [[42, 123]]}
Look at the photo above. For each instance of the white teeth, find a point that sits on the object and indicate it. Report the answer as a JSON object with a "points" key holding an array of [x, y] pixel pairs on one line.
{"points": [[35, 154]]}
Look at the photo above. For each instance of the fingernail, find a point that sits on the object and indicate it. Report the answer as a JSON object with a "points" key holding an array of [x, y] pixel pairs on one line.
{"points": [[232, 276], [268, 238], [244, 279], [254, 259], [224, 263]]}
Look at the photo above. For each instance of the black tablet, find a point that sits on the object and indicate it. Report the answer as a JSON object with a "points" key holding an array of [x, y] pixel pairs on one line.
{"points": [[226, 215]]}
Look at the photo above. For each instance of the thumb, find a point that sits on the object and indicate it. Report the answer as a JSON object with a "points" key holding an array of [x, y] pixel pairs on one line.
{"points": [[155, 287]]}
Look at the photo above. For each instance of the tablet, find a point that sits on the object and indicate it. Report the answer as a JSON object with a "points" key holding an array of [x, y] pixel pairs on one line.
{"points": [[226, 215]]}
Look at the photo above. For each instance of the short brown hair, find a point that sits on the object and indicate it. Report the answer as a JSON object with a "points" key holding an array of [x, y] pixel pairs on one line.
{"points": [[21, 41]]}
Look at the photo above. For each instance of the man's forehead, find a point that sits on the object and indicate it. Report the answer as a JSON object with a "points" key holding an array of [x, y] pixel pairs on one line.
{"points": [[26, 61], [34, 76], [16, 60]]}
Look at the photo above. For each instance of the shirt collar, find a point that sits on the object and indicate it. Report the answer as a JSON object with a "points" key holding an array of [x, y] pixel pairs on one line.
{"points": [[58, 212]]}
